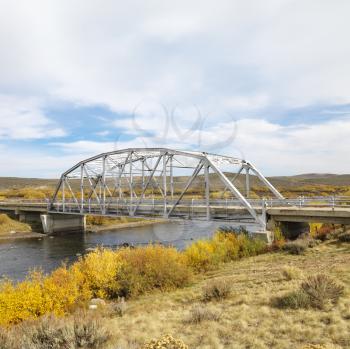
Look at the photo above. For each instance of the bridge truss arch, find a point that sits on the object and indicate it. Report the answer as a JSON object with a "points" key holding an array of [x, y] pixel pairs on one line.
{"points": [[162, 182]]}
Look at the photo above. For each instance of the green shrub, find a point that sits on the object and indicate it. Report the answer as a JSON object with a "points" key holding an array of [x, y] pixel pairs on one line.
{"points": [[249, 246], [294, 300], [322, 290], [90, 332], [200, 313], [345, 237], [296, 247], [216, 289], [318, 292], [49, 332]]}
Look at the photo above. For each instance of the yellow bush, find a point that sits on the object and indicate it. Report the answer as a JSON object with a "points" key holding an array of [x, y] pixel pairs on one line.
{"points": [[38, 295], [200, 255], [22, 301], [64, 289], [99, 270], [314, 228], [152, 267], [223, 247]]}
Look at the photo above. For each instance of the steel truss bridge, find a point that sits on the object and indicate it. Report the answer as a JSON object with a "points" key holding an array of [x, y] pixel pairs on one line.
{"points": [[167, 183], [161, 182]]}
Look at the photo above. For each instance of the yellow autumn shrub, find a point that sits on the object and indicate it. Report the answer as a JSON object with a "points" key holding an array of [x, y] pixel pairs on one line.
{"points": [[204, 255], [64, 289], [200, 255], [23, 300], [57, 293], [152, 267], [99, 270]]}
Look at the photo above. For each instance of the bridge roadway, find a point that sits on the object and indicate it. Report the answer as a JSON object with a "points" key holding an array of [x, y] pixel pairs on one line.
{"points": [[274, 212]]}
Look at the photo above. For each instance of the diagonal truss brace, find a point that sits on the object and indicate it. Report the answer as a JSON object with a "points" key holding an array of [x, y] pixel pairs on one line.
{"points": [[237, 194], [189, 182]]}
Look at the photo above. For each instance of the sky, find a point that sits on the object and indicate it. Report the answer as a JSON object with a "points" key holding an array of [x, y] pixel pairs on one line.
{"points": [[267, 81]]}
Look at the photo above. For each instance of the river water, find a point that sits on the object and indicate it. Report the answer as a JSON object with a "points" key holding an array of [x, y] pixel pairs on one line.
{"points": [[17, 257]]}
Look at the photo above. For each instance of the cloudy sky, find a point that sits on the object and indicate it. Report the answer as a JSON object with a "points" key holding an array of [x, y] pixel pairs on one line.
{"points": [[268, 81]]}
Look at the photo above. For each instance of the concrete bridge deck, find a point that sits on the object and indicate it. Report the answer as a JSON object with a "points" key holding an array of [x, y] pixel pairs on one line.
{"points": [[35, 212]]}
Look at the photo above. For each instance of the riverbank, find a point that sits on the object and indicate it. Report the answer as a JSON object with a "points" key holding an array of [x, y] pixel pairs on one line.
{"points": [[123, 225], [12, 229], [243, 314], [21, 235]]}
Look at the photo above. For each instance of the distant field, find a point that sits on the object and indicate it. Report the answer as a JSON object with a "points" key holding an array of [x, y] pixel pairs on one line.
{"points": [[17, 182], [289, 186], [283, 181]]}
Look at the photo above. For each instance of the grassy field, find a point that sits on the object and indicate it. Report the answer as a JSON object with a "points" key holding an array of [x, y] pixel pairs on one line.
{"points": [[247, 318]]}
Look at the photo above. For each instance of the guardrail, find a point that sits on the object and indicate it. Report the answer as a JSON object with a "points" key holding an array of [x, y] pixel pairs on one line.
{"points": [[301, 201]]}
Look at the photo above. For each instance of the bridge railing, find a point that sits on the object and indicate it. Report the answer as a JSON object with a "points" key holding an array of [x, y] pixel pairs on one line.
{"points": [[121, 205], [301, 201]]}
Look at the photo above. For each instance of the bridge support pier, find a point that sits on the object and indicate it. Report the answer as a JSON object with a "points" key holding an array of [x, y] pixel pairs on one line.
{"points": [[63, 223], [31, 218], [290, 230]]}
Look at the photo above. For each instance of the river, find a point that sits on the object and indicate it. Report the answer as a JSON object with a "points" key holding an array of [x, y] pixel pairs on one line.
{"points": [[17, 257]]}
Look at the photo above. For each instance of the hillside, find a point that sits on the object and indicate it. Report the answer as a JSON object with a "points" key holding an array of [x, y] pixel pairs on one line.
{"points": [[312, 184]]}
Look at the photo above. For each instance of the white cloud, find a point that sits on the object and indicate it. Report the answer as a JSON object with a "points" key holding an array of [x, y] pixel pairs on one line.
{"points": [[221, 56], [225, 58], [23, 118], [274, 148]]}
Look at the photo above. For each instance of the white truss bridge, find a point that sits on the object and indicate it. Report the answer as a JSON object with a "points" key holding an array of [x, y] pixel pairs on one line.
{"points": [[173, 184]]}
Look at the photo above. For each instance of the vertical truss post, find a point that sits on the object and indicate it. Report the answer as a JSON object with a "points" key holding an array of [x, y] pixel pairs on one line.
{"points": [[247, 184], [130, 183], [143, 177], [119, 182], [171, 178], [207, 190], [82, 188], [104, 185], [165, 184], [63, 194], [149, 179]]}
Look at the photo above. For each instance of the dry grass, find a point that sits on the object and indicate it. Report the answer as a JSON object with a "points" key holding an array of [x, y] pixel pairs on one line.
{"points": [[200, 313], [216, 289], [84, 330], [289, 272], [105, 221], [322, 290], [7, 225], [296, 247], [248, 320], [166, 342]]}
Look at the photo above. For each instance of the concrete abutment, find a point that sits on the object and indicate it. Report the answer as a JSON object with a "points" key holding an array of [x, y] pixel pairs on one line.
{"points": [[63, 223], [290, 230]]}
